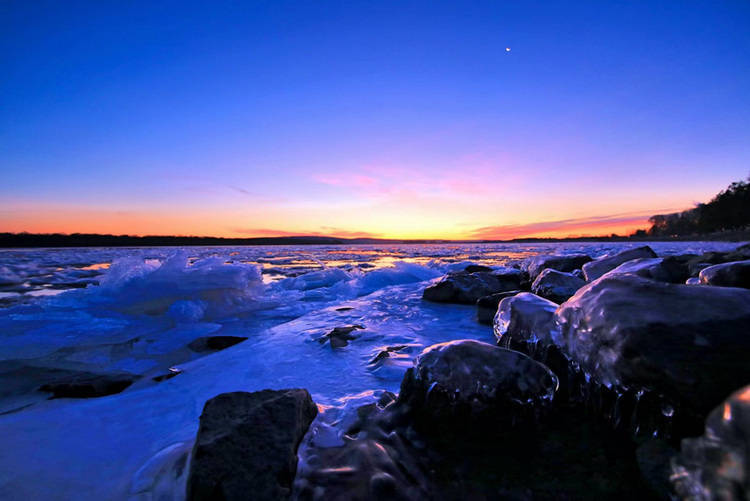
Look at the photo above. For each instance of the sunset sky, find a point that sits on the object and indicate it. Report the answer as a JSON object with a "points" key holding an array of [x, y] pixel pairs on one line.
{"points": [[385, 119]]}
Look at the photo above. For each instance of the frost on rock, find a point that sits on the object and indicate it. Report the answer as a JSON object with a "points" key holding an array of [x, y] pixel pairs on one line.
{"points": [[463, 383], [716, 466], [565, 263], [556, 285], [524, 320], [596, 269], [691, 348]]}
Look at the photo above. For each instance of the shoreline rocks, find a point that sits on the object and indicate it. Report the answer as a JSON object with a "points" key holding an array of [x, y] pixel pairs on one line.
{"points": [[566, 263], [732, 274], [556, 286], [467, 288], [599, 267]]}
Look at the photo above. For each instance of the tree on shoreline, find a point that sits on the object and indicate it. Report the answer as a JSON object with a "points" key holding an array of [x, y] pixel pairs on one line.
{"points": [[729, 210]]}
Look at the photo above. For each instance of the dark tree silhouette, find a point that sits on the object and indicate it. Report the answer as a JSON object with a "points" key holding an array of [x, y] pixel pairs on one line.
{"points": [[729, 210]]}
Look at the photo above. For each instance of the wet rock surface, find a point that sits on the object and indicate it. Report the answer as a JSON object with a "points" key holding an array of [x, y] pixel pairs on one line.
{"points": [[687, 343], [246, 446], [467, 288], [717, 464], [732, 274], [214, 343], [524, 319], [556, 286], [568, 263], [596, 269], [462, 385], [487, 306]]}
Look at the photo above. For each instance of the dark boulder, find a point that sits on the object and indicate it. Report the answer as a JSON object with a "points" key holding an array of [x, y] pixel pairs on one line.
{"points": [[556, 286], [596, 269], [734, 274], [473, 268], [670, 269], [524, 319], [487, 306], [467, 288], [569, 263], [687, 343], [246, 446], [214, 343], [465, 387], [716, 466]]}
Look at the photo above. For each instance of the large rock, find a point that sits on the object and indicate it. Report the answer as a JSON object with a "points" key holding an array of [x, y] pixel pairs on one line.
{"points": [[246, 446], [467, 288], [735, 274], [672, 269], [717, 464], [524, 319], [596, 269], [687, 343], [463, 387], [556, 286], [487, 306], [569, 263]]}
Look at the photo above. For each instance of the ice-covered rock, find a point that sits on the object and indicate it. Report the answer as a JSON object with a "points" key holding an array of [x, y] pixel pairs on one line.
{"points": [[733, 274], [246, 446], [671, 269], [693, 281], [596, 269], [524, 319], [567, 263], [556, 286], [487, 306], [716, 466], [467, 288], [686, 343], [465, 384]]}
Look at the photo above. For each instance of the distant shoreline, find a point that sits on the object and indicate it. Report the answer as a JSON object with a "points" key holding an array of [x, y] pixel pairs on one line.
{"points": [[36, 240]]}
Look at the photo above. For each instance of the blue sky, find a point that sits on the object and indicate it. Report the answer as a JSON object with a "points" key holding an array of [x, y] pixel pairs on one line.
{"points": [[399, 119]]}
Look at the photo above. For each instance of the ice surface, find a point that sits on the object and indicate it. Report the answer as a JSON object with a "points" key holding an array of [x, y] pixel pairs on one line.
{"points": [[135, 310]]}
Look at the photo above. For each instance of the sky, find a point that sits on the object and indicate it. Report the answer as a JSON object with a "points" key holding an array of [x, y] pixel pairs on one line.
{"points": [[393, 119]]}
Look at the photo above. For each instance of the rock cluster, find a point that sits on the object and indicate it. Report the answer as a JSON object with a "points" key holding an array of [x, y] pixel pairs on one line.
{"points": [[598, 389]]}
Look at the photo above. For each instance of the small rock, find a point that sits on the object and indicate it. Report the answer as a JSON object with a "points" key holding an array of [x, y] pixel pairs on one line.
{"points": [[670, 269], [556, 285], [569, 263], [734, 274], [467, 288], [487, 306], [340, 336], [596, 269], [523, 320], [473, 268]]}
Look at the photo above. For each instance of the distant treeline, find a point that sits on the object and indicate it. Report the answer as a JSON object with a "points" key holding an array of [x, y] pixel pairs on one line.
{"points": [[729, 211]]}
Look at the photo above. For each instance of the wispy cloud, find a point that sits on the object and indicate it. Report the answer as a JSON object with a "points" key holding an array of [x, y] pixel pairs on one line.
{"points": [[594, 225]]}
